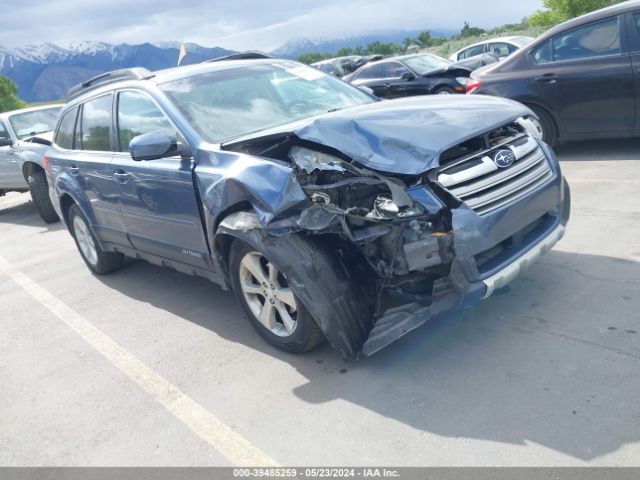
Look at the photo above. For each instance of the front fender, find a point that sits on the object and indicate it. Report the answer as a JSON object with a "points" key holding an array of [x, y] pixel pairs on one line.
{"points": [[227, 179]]}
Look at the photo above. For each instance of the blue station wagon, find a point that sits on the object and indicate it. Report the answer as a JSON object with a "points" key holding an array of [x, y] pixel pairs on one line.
{"points": [[331, 214]]}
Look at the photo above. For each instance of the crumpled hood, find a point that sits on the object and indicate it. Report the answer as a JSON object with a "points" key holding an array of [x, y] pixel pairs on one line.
{"points": [[406, 136], [403, 136]]}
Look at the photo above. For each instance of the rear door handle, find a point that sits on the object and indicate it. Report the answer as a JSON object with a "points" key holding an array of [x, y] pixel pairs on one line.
{"points": [[387, 85], [547, 78], [74, 170]]}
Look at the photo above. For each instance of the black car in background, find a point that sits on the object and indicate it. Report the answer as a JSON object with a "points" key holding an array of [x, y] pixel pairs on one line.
{"points": [[582, 78], [407, 75], [341, 66]]}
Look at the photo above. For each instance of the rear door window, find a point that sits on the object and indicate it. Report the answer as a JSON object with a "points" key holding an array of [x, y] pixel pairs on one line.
{"points": [[138, 114], [95, 127], [471, 52], [374, 71], [393, 70], [501, 50], [66, 130], [594, 40]]}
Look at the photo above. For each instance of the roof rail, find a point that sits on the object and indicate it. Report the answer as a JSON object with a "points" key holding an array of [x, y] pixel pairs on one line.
{"points": [[137, 73], [248, 55]]}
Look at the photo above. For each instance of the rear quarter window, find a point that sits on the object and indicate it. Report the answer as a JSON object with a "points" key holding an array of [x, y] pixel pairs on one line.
{"points": [[374, 71], [64, 135]]}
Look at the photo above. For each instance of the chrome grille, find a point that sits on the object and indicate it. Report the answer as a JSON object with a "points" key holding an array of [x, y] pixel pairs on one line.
{"points": [[475, 178]]}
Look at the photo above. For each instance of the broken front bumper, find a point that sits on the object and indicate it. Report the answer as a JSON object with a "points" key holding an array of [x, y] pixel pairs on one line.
{"points": [[490, 252]]}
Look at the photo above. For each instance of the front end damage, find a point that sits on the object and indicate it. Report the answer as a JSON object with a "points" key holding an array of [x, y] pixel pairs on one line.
{"points": [[409, 242]]}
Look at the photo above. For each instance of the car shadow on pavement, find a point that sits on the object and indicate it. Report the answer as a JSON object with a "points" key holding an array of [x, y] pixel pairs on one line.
{"points": [[615, 149], [24, 213], [553, 359]]}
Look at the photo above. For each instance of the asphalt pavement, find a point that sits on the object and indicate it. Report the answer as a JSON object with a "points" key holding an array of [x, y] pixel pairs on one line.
{"points": [[149, 367]]}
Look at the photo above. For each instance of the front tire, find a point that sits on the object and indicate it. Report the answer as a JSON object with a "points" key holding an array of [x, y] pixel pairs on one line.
{"points": [[444, 91], [546, 125], [39, 189], [98, 261], [266, 297]]}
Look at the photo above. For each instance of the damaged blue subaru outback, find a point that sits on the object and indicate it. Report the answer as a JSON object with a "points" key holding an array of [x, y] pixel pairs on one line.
{"points": [[330, 213]]}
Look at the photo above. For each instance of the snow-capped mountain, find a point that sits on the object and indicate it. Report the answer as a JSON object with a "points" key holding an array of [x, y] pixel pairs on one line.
{"points": [[298, 46], [46, 71]]}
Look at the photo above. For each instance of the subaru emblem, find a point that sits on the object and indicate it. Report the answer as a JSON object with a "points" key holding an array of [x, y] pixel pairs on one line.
{"points": [[504, 158]]}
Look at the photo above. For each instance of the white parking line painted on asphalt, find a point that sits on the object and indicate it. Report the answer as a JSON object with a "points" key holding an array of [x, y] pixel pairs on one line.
{"points": [[237, 449]]}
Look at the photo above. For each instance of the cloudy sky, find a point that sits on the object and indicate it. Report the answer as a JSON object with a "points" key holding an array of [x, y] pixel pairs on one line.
{"points": [[239, 24]]}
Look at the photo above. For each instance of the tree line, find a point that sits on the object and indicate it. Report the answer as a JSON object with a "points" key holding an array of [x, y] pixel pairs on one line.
{"points": [[554, 12]]}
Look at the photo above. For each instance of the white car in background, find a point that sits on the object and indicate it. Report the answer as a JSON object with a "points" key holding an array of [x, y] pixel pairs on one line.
{"points": [[502, 47]]}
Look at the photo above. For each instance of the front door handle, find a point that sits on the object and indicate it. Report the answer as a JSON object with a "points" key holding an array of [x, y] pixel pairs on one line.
{"points": [[74, 170], [120, 176], [387, 85], [549, 78]]}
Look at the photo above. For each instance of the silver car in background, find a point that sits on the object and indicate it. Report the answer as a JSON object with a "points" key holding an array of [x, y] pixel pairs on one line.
{"points": [[25, 136], [501, 47]]}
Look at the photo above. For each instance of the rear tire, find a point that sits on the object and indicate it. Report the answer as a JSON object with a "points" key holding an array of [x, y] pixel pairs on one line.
{"points": [[444, 91], [98, 261], [39, 189], [547, 125], [265, 296]]}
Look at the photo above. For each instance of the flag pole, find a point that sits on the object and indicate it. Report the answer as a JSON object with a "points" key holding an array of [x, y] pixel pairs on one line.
{"points": [[182, 53]]}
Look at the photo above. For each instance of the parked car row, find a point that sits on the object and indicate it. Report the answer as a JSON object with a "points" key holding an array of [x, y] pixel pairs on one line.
{"points": [[581, 78], [406, 75], [409, 75]]}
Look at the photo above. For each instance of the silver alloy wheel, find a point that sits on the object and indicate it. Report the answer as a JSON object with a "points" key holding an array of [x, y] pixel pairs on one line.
{"points": [[444, 92], [85, 240], [268, 294]]}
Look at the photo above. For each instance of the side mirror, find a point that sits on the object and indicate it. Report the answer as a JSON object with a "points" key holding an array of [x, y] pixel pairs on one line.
{"points": [[153, 145], [5, 142], [408, 76]]}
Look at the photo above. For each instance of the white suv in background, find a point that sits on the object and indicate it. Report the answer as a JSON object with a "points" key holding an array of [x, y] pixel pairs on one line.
{"points": [[501, 47]]}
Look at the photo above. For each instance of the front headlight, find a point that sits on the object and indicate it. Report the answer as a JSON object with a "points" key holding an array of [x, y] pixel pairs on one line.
{"points": [[531, 125], [310, 160]]}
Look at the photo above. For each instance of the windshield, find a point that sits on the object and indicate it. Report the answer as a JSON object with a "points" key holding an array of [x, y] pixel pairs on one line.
{"points": [[28, 124], [236, 101], [522, 41], [426, 63]]}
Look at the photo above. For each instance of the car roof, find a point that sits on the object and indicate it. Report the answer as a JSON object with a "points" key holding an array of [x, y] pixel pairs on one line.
{"points": [[171, 74], [30, 109]]}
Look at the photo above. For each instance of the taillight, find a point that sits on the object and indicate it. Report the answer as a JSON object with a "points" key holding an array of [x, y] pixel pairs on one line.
{"points": [[45, 161], [473, 85]]}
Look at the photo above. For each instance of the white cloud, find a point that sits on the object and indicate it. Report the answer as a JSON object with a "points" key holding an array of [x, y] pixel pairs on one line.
{"points": [[242, 24]]}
